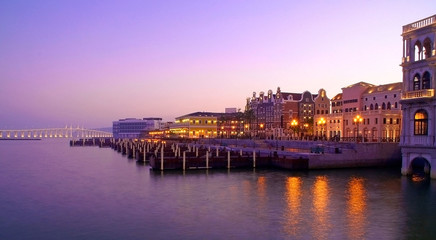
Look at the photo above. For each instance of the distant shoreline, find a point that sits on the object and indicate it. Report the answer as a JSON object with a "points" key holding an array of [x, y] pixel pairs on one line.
{"points": [[20, 139]]}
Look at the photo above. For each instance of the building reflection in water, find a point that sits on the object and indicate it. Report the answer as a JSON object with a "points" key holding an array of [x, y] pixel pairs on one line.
{"points": [[321, 225], [356, 208], [293, 198]]}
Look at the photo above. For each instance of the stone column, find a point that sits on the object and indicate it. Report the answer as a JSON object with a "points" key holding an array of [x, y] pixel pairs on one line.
{"points": [[405, 170], [433, 168]]}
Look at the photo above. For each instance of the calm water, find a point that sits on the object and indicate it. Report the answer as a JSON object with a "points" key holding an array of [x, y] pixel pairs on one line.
{"points": [[51, 191]]}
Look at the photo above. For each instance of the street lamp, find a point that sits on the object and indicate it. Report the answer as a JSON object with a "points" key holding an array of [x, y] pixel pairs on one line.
{"points": [[261, 128], [321, 122], [294, 125], [357, 119], [306, 126]]}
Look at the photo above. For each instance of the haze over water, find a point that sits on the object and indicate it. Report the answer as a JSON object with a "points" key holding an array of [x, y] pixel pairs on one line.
{"points": [[52, 191]]}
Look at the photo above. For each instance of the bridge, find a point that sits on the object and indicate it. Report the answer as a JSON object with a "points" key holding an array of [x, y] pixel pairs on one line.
{"points": [[67, 132]]}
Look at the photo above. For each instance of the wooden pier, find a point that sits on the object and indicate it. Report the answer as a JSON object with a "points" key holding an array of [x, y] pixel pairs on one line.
{"points": [[162, 155], [186, 155]]}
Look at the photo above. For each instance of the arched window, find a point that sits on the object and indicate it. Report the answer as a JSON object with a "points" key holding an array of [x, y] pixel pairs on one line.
{"points": [[416, 82], [426, 80], [371, 107], [376, 106], [427, 48], [383, 106], [421, 123], [389, 106], [365, 108], [418, 51], [396, 105]]}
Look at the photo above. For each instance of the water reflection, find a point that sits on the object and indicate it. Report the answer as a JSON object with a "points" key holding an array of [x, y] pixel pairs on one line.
{"points": [[261, 187], [320, 191], [356, 208], [293, 199]]}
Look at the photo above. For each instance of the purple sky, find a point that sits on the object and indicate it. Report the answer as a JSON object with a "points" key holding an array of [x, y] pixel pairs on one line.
{"points": [[90, 62]]}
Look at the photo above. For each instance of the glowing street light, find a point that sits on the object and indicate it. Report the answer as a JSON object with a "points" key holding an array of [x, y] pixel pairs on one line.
{"points": [[321, 122], [294, 125], [357, 119]]}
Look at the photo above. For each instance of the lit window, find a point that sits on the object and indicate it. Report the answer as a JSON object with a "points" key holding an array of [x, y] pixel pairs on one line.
{"points": [[421, 123]]}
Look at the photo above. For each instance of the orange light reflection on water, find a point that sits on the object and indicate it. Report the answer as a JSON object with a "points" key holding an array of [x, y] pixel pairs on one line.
{"points": [[321, 196], [356, 208], [293, 199]]}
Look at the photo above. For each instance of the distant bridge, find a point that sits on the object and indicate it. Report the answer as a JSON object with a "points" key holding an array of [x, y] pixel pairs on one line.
{"points": [[67, 132]]}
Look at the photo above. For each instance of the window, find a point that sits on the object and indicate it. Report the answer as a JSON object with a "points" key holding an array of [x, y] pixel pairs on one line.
{"points": [[421, 123], [418, 51], [384, 106], [376, 106], [376, 120], [371, 107], [396, 105], [384, 120], [416, 82], [427, 48], [389, 106], [426, 80]]}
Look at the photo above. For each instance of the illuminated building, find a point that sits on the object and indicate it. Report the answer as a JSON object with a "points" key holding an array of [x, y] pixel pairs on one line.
{"points": [[418, 145], [379, 108], [196, 125], [133, 128]]}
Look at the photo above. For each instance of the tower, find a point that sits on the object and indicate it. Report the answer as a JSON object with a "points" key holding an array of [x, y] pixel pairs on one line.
{"points": [[418, 143]]}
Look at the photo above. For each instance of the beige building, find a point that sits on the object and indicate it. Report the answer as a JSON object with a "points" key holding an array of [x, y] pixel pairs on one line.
{"points": [[363, 112], [381, 114], [196, 125]]}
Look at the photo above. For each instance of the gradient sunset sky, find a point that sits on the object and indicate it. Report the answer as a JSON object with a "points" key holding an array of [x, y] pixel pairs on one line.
{"points": [[89, 63]]}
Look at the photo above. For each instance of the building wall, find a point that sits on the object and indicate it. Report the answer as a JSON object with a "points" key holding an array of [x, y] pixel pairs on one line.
{"points": [[132, 128], [419, 59], [196, 125]]}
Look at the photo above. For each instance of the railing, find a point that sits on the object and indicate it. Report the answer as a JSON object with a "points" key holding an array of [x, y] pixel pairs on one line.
{"points": [[419, 24], [425, 93]]}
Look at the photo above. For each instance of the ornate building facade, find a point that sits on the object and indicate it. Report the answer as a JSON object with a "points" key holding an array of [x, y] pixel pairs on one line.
{"points": [[418, 143]]}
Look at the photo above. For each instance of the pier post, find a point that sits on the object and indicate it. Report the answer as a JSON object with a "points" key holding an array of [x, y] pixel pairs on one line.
{"points": [[133, 152], [228, 159], [216, 151], [196, 152], [184, 160], [207, 159], [240, 152], [254, 158], [144, 153], [161, 159]]}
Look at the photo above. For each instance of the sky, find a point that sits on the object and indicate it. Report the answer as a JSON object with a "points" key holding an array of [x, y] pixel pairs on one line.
{"points": [[88, 63]]}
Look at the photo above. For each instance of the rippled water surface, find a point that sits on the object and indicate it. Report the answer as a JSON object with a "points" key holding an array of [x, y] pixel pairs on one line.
{"points": [[49, 190]]}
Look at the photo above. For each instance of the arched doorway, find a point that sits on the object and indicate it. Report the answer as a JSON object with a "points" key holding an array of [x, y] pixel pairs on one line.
{"points": [[420, 165]]}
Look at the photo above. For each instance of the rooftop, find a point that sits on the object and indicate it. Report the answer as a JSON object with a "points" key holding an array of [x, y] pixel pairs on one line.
{"points": [[385, 88], [420, 24]]}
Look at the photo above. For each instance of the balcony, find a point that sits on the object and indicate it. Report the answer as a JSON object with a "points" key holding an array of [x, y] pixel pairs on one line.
{"points": [[424, 93], [419, 24]]}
